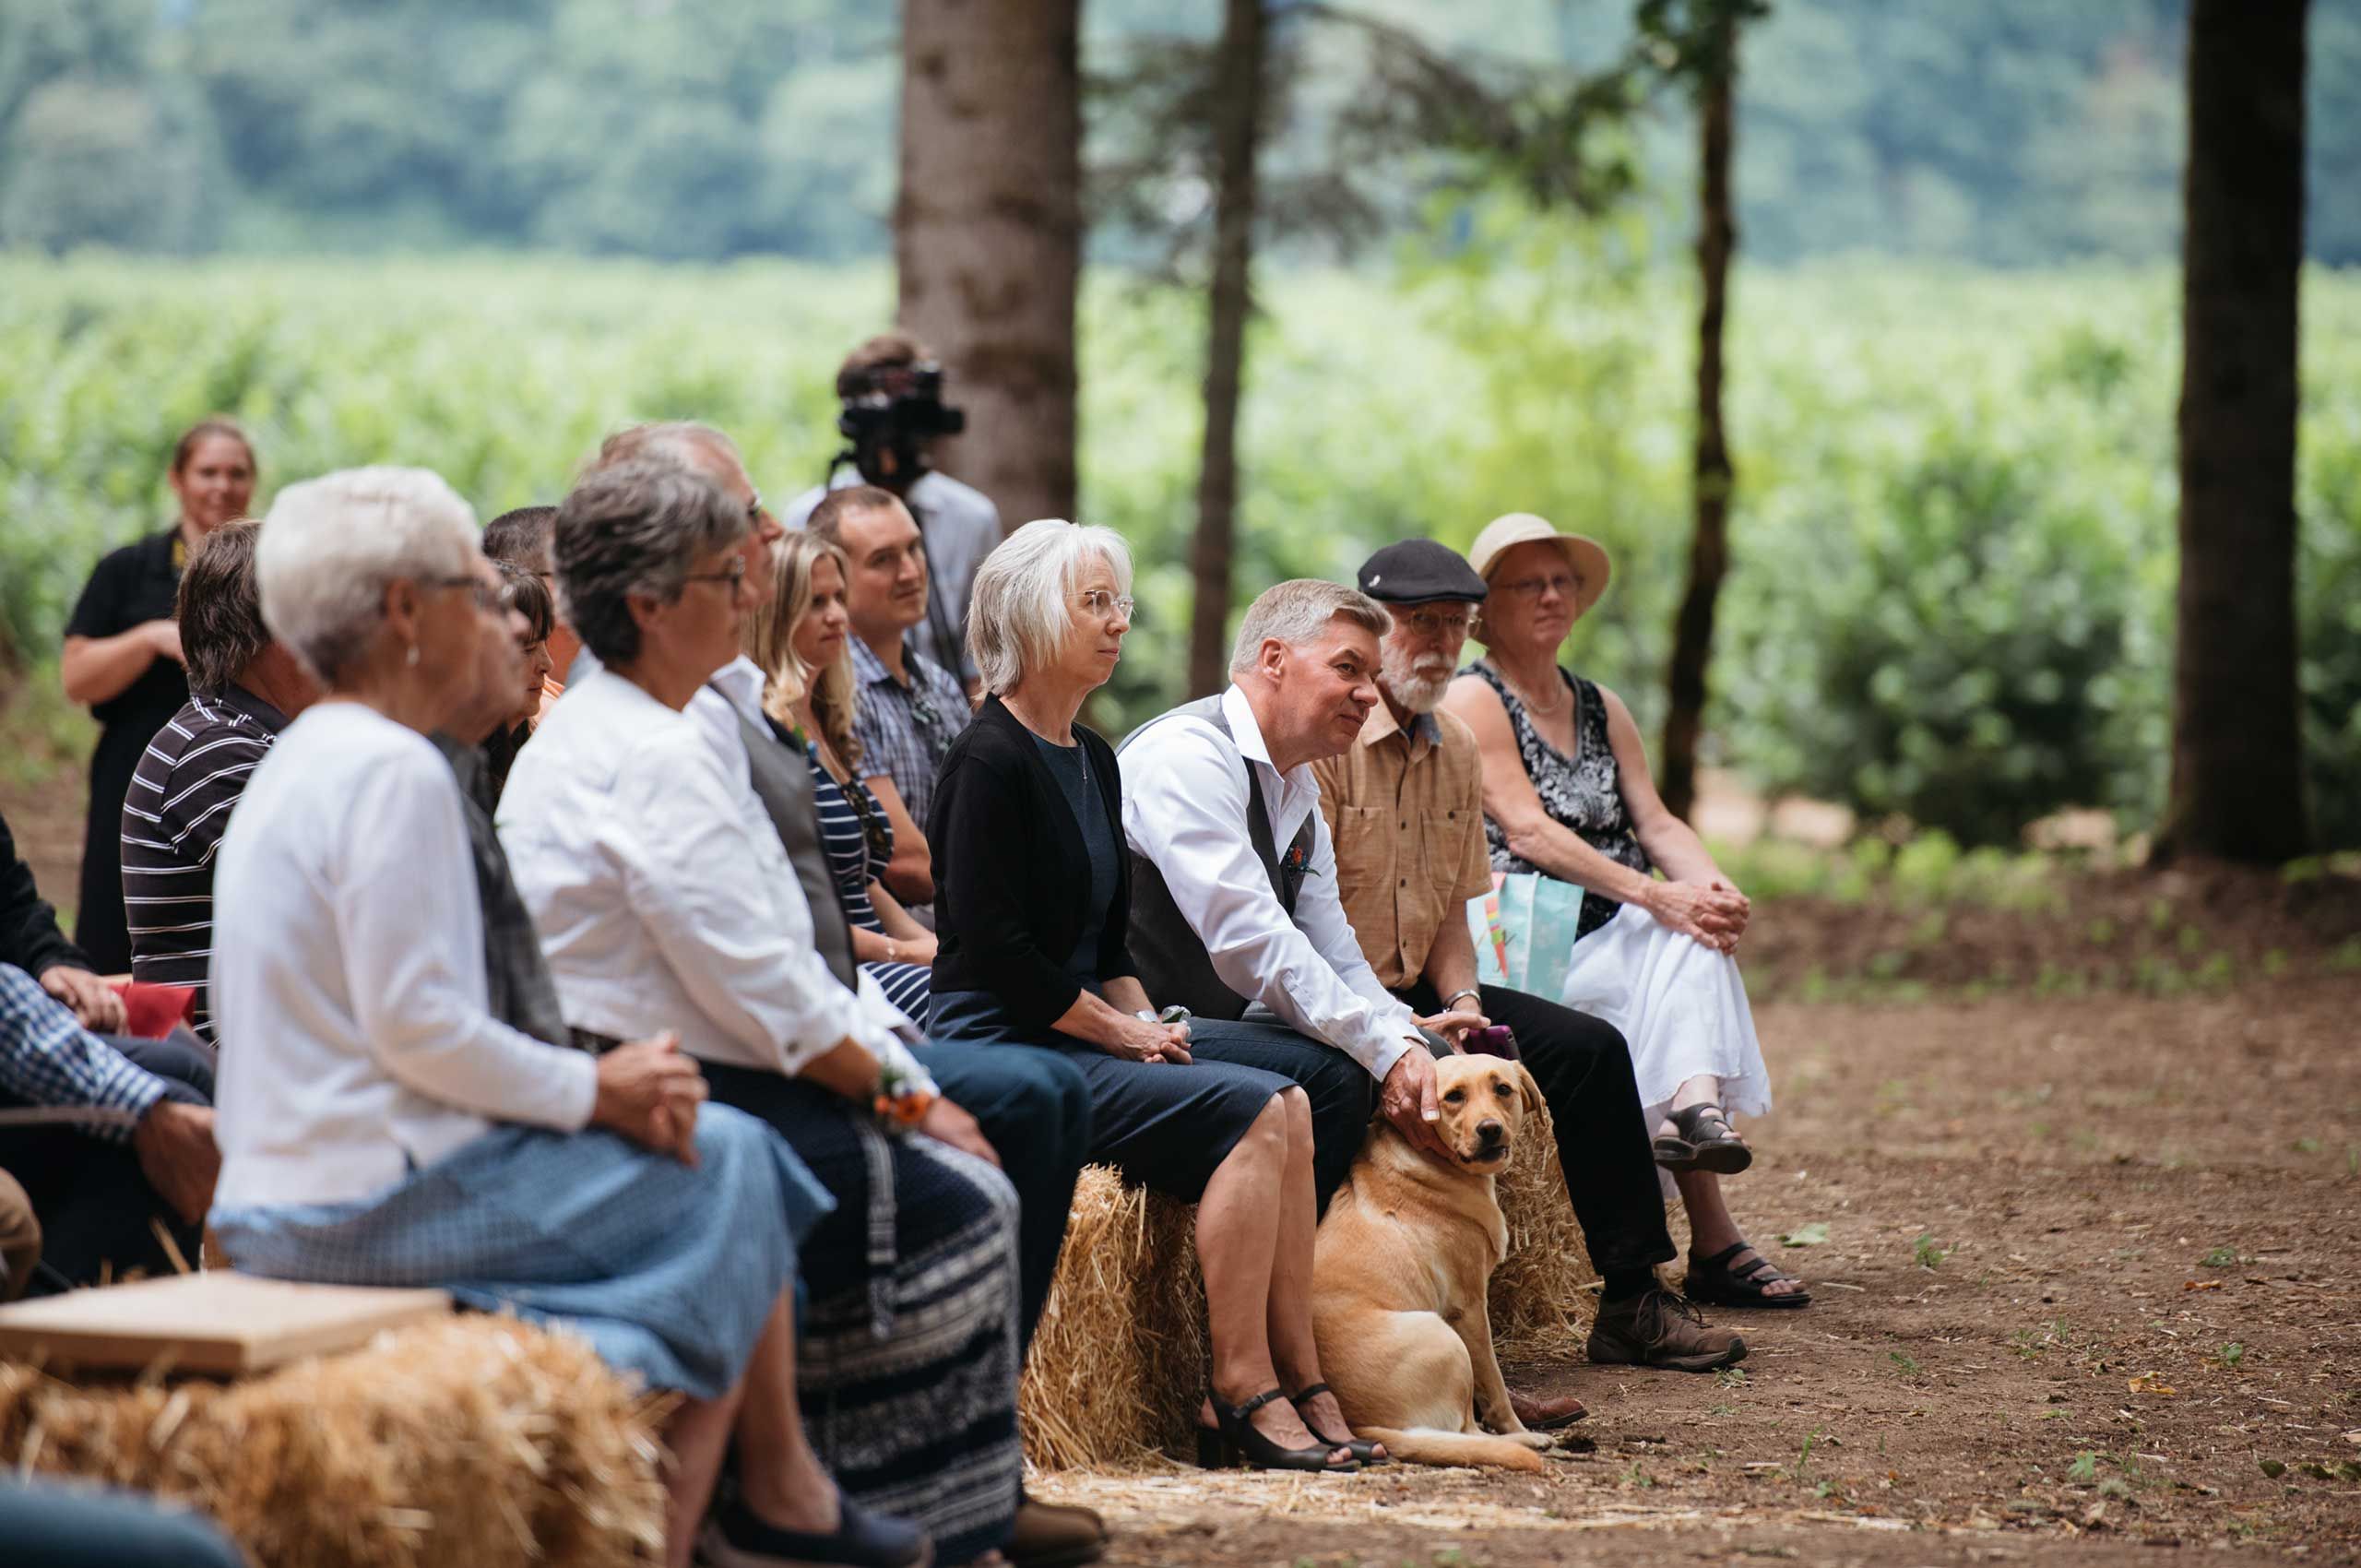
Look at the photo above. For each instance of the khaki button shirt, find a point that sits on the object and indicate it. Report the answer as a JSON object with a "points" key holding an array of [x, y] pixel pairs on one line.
{"points": [[1405, 808]]}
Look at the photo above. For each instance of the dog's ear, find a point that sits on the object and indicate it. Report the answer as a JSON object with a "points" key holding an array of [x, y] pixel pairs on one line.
{"points": [[1529, 1091]]}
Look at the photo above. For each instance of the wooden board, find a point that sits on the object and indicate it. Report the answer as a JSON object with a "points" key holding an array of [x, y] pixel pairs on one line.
{"points": [[215, 1322]]}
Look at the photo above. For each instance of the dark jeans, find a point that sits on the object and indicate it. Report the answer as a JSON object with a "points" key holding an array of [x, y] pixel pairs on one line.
{"points": [[1035, 1110], [47, 1525], [1584, 1069], [97, 1212], [1341, 1091]]}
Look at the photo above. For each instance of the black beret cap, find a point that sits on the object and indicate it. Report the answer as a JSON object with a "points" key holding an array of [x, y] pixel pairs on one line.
{"points": [[1417, 571]]}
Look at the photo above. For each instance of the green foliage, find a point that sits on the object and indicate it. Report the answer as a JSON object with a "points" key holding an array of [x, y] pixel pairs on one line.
{"points": [[2025, 419], [2011, 132]]}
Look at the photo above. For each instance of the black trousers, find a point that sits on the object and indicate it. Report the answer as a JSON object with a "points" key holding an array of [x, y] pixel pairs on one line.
{"points": [[98, 1215], [1584, 1069]]}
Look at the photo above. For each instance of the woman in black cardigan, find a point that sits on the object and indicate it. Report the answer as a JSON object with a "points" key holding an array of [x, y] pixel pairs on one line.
{"points": [[1032, 905]]}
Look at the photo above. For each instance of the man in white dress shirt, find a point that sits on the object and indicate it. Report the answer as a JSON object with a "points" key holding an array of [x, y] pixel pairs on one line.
{"points": [[1236, 899]]}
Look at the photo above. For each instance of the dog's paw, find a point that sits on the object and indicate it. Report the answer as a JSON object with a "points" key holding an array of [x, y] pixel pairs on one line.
{"points": [[1539, 1442]]}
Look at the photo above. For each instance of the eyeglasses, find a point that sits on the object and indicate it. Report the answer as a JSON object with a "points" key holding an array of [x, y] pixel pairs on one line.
{"points": [[487, 595], [1565, 583], [730, 576], [1100, 602], [1436, 622]]}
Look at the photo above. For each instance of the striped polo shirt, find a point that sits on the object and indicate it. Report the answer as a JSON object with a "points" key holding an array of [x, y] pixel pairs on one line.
{"points": [[172, 819]]}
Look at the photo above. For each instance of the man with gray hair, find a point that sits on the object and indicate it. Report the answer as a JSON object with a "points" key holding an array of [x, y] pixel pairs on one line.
{"points": [[1234, 876]]}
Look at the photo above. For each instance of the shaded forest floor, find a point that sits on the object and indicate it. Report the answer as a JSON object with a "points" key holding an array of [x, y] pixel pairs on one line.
{"points": [[2084, 1288], [2072, 1160]]}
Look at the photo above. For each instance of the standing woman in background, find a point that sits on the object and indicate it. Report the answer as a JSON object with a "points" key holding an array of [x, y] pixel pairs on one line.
{"points": [[121, 659]]}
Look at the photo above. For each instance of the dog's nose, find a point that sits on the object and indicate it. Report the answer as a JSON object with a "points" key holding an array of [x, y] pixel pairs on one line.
{"points": [[1490, 1132]]}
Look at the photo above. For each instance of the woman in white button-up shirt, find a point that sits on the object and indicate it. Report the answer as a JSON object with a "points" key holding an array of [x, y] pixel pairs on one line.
{"points": [[378, 1126], [665, 898]]}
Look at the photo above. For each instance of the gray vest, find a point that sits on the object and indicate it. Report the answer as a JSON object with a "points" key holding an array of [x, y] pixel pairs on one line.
{"points": [[1172, 960], [783, 781]]}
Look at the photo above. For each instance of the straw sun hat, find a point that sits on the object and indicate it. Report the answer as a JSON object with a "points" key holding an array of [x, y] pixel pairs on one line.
{"points": [[1587, 557]]}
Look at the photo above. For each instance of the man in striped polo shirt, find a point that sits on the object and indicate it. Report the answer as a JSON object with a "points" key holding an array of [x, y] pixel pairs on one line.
{"points": [[243, 688]]}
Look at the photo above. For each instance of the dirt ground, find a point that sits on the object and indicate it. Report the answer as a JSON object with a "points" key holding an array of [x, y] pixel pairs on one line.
{"points": [[2082, 1272], [2085, 1291]]}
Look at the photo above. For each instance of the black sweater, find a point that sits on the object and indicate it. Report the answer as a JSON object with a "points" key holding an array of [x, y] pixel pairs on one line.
{"points": [[1012, 876], [29, 934]]}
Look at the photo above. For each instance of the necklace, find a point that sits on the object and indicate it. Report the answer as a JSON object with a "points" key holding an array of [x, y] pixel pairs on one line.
{"points": [[1533, 708]]}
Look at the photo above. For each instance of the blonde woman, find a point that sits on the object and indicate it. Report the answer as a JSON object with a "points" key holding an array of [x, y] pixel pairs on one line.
{"points": [[801, 640]]}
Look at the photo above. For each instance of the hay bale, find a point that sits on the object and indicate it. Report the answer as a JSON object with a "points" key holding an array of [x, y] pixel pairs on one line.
{"points": [[479, 1440], [1119, 1361], [1541, 1293]]}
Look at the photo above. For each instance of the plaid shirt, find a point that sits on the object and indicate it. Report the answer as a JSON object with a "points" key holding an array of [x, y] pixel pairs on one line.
{"points": [[53, 1064], [905, 730]]}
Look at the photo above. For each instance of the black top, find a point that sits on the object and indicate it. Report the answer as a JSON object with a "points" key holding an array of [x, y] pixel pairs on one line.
{"points": [[1070, 767], [131, 586], [1013, 873], [29, 934], [1584, 791]]}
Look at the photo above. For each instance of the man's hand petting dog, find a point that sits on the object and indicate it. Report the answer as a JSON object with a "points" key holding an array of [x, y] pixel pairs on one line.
{"points": [[1407, 1099]]}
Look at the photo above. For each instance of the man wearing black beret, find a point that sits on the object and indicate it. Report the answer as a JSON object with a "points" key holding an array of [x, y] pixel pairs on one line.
{"points": [[1405, 809]]}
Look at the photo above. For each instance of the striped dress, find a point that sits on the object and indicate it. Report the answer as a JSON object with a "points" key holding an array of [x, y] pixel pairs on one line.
{"points": [[180, 799], [847, 844]]}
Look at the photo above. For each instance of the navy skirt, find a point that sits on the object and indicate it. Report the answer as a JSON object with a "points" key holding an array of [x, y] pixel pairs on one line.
{"points": [[1163, 1126]]}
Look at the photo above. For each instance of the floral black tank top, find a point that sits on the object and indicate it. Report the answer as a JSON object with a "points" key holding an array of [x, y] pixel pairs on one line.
{"points": [[1582, 792]]}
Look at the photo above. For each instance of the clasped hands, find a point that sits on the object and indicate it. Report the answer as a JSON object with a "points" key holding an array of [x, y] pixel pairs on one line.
{"points": [[1713, 911]]}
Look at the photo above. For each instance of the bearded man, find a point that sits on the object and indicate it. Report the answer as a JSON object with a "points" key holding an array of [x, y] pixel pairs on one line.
{"points": [[1405, 806]]}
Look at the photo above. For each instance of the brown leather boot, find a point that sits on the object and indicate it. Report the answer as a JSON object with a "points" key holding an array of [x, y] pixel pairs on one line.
{"points": [[1547, 1413], [1656, 1328], [1050, 1535]]}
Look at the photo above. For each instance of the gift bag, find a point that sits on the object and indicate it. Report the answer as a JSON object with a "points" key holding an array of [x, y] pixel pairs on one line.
{"points": [[1525, 931]]}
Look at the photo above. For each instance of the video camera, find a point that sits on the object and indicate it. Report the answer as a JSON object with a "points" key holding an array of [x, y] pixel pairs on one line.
{"points": [[890, 419]]}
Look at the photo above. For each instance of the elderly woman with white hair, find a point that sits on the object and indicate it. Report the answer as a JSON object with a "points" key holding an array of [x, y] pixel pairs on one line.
{"points": [[378, 1126], [1032, 908]]}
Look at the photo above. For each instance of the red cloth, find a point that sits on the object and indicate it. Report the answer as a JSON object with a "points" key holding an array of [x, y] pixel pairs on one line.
{"points": [[151, 1012]]}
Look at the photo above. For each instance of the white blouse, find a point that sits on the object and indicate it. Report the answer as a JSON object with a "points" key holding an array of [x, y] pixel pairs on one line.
{"points": [[348, 976], [663, 897]]}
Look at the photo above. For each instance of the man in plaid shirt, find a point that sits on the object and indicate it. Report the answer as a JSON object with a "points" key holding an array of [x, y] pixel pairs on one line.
{"points": [[111, 1154]]}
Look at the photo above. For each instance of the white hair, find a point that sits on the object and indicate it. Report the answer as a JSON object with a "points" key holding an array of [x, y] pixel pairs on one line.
{"points": [[1297, 612], [1021, 610], [329, 546]]}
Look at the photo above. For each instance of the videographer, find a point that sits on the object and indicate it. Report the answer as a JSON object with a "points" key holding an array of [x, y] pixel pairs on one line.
{"points": [[894, 412]]}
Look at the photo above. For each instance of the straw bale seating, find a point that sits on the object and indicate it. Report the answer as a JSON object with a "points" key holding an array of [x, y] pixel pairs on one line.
{"points": [[456, 1439], [1119, 1362]]}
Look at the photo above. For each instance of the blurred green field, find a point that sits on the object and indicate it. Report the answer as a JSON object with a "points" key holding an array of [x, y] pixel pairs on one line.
{"points": [[1953, 539]]}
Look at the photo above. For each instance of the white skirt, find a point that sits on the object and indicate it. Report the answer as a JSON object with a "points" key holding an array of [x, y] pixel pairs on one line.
{"points": [[1679, 1003]]}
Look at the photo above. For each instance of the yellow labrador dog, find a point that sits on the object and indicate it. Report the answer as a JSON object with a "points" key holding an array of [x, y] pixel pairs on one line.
{"points": [[1399, 1272]]}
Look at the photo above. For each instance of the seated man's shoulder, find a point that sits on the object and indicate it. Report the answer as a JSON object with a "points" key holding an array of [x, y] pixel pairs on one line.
{"points": [[1457, 740]]}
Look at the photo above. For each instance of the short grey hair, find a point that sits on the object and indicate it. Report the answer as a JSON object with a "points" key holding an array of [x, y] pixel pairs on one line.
{"points": [[1297, 612], [635, 529], [686, 443], [329, 546], [1022, 609]]}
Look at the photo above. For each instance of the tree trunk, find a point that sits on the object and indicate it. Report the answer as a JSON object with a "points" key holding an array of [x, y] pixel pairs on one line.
{"points": [[2238, 788], [988, 235], [1236, 135], [1692, 629]]}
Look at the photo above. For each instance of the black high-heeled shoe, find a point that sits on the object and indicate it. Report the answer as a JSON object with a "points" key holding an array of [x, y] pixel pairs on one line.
{"points": [[1239, 1441], [1363, 1449]]}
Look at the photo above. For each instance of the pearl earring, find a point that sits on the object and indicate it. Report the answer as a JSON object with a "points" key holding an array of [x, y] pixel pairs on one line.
{"points": [[412, 660]]}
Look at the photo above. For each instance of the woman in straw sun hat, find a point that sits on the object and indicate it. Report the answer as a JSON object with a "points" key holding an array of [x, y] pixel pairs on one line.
{"points": [[1568, 796]]}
